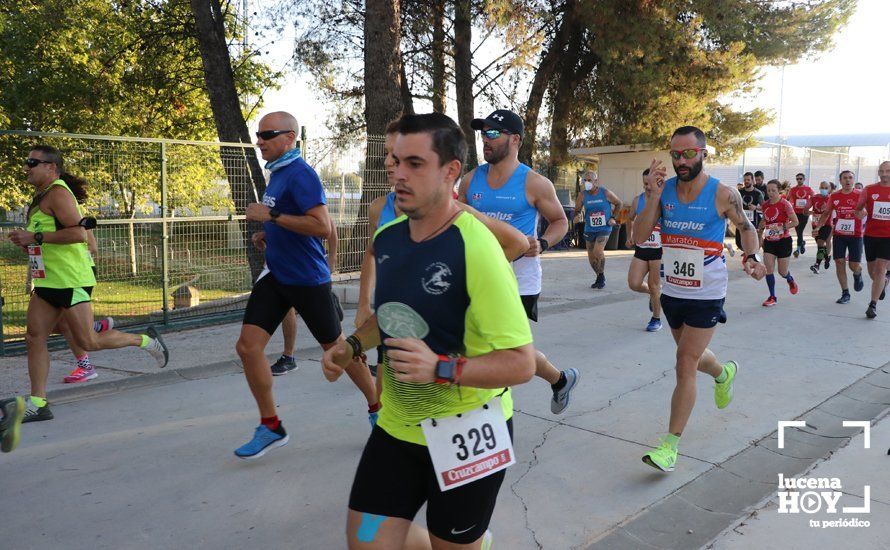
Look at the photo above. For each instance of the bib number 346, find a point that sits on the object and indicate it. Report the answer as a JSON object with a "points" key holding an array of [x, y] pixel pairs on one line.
{"points": [[468, 447], [683, 267]]}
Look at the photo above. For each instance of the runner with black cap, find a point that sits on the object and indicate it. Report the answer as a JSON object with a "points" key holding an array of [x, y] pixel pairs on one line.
{"points": [[511, 191]]}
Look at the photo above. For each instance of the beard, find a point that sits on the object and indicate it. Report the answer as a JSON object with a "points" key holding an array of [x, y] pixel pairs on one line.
{"points": [[693, 173], [497, 154]]}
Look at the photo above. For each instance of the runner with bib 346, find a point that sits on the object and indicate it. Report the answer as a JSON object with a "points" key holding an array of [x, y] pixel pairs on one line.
{"points": [[693, 209]]}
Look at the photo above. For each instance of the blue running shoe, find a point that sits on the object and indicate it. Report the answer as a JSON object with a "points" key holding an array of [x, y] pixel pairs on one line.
{"points": [[264, 440], [858, 283], [561, 397], [654, 325]]}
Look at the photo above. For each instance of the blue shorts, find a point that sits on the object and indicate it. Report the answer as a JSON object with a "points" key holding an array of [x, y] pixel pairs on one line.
{"points": [[841, 245], [593, 236], [692, 313]]}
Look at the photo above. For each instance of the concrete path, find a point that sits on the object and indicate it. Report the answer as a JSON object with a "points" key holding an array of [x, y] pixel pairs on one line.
{"points": [[151, 467]]}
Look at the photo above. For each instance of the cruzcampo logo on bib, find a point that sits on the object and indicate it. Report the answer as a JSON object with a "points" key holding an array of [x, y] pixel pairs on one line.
{"points": [[401, 321]]}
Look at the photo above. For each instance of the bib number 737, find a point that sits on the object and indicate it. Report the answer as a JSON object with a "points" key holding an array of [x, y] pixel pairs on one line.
{"points": [[470, 446]]}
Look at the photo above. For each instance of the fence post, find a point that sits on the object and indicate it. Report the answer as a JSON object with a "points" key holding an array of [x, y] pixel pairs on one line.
{"points": [[809, 166], [779, 164], [165, 239], [342, 205]]}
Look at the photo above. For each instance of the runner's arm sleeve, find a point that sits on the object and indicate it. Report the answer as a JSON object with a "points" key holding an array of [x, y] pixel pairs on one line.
{"points": [[307, 191], [495, 318]]}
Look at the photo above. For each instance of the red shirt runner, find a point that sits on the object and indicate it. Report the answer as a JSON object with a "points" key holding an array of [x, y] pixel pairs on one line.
{"points": [[775, 220], [801, 197], [877, 208], [820, 203], [844, 204]]}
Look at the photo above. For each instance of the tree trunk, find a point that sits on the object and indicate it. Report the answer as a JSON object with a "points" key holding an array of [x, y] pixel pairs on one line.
{"points": [[543, 75], [575, 66], [405, 89], [243, 171], [438, 54], [463, 75], [386, 96], [383, 62]]}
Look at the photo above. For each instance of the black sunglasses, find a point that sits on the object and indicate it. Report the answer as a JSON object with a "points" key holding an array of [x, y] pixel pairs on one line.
{"points": [[270, 134], [33, 163]]}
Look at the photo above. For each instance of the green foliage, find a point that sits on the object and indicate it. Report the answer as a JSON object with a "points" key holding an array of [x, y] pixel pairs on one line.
{"points": [[113, 67], [663, 64]]}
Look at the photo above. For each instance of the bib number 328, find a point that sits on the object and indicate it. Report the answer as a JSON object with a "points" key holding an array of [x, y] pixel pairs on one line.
{"points": [[468, 447]]}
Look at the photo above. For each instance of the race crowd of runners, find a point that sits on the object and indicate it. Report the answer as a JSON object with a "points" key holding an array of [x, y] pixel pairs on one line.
{"points": [[450, 280]]}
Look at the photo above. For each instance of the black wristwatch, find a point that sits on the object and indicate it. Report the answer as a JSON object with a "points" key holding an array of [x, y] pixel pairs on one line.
{"points": [[38, 238], [755, 257], [544, 244], [273, 214]]}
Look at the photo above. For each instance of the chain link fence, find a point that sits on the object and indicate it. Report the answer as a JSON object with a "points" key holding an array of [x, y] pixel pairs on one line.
{"points": [[783, 162], [173, 244]]}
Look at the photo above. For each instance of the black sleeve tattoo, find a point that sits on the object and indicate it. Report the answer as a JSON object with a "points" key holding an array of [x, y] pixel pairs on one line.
{"points": [[735, 205]]}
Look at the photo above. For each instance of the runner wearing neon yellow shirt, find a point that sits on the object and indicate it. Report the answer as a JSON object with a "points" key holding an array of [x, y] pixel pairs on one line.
{"points": [[455, 340]]}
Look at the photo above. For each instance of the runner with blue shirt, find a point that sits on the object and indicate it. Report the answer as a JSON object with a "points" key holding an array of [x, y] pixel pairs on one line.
{"points": [[599, 205], [693, 208], [295, 219], [507, 190], [646, 263]]}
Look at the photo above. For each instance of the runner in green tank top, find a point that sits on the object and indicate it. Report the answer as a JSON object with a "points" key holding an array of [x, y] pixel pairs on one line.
{"points": [[62, 276]]}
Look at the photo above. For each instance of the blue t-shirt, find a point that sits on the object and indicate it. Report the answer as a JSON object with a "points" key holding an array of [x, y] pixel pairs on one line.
{"points": [[292, 258]]}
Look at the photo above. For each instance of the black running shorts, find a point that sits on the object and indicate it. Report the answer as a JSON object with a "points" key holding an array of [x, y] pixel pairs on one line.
{"points": [[64, 298], [647, 254], [779, 249], [841, 245], [395, 478], [824, 233], [530, 303], [876, 248], [692, 313], [270, 300]]}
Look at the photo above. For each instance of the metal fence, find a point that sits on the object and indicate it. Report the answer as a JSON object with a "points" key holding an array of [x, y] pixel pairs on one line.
{"points": [[783, 162], [173, 244]]}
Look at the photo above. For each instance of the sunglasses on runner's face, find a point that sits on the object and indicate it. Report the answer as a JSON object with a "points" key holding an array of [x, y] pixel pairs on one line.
{"points": [[493, 134], [271, 134], [33, 163], [686, 153]]}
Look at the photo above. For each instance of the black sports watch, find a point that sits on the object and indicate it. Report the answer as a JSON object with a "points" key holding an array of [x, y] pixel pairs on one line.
{"points": [[756, 257], [273, 214], [38, 238], [544, 244]]}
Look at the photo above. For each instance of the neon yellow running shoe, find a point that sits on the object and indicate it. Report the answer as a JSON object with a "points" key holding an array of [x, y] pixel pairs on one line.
{"points": [[723, 391], [663, 457], [11, 422], [487, 540]]}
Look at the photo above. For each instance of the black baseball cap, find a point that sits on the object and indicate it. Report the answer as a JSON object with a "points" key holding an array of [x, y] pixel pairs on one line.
{"points": [[502, 119]]}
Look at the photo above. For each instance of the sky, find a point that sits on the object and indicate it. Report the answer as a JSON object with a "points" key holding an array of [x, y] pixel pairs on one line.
{"points": [[844, 91]]}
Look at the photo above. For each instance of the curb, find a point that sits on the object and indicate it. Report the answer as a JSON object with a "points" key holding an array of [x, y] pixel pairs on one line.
{"points": [[153, 379]]}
